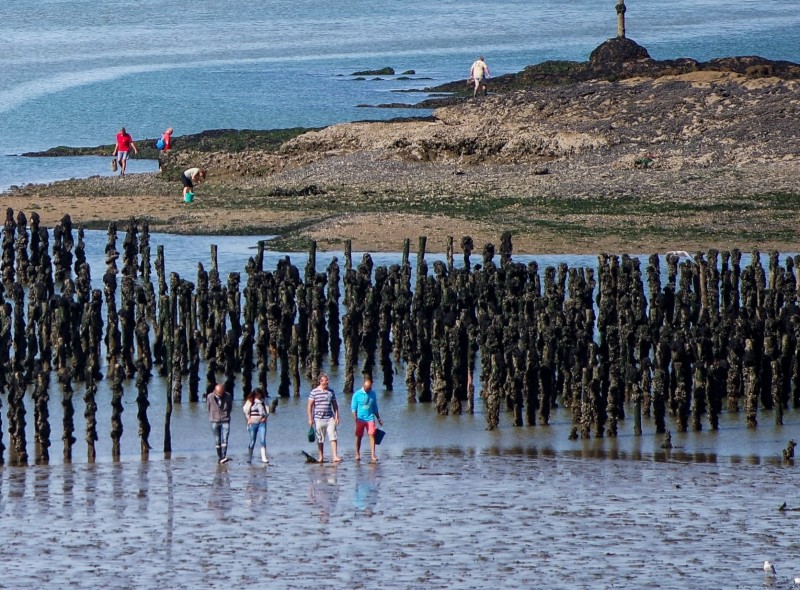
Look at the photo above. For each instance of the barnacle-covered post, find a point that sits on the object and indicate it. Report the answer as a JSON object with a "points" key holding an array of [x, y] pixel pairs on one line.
{"points": [[7, 256], [332, 306], [16, 417], [386, 292], [41, 413], [370, 319], [68, 409], [142, 403], [750, 382], [145, 272], [116, 376], [318, 339], [67, 245], [22, 260], [90, 411]]}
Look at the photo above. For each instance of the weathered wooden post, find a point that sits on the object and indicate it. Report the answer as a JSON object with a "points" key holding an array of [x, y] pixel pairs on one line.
{"points": [[621, 18]]}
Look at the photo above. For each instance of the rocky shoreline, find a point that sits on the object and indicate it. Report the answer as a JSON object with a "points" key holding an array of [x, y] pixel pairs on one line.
{"points": [[640, 156]]}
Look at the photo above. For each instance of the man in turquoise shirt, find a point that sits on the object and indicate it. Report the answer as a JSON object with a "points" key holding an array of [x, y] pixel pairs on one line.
{"points": [[365, 412]]}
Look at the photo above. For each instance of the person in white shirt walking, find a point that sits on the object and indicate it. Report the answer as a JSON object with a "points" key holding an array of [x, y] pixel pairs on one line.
{"points": [[478, 74]]}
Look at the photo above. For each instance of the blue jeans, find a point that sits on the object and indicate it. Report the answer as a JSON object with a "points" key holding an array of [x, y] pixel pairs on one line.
{"points": [[221, 430], [257, 432]]}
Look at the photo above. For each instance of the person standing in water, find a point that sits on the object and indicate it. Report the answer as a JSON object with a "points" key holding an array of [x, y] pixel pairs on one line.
{"points": [[123, 145], [219, 403], [323, 415], [256, 413], [190, 177], [365, 412], [478, 74]]}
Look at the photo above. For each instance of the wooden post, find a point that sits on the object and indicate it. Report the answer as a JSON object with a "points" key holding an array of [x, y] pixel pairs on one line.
{"points": [[621, 19]]}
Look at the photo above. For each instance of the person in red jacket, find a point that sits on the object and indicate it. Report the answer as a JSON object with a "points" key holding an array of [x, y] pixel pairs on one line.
{"points": [[164, 145], [124, 144], [167, 138]]}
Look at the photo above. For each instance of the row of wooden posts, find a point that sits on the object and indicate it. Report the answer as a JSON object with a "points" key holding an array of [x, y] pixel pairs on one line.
{"points": [[713, 337]]}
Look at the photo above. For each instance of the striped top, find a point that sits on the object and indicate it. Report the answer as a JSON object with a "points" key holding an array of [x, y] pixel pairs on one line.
{"points": [[323, 402], [256, 411]]}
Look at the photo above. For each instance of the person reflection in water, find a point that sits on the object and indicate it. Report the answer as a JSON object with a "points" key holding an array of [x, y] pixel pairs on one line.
{"points": [[365, 498], [324, 494], [219, 502]]}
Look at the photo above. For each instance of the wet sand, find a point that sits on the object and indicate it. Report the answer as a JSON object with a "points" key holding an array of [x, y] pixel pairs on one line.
{"points": [[422, 519]]}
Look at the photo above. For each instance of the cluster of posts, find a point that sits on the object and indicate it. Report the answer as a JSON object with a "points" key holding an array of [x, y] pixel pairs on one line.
{"points": [[714, 335]]}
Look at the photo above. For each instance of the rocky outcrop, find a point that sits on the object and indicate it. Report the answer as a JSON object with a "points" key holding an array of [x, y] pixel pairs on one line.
{"points": [[617, 50], [688, 120]]}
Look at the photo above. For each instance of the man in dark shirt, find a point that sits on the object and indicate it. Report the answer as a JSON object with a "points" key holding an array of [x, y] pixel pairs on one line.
{"points": [[219, 404]]}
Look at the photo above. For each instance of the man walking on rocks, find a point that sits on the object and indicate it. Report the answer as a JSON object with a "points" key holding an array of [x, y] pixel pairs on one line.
{"points": [[478, 74], [220, 403]]}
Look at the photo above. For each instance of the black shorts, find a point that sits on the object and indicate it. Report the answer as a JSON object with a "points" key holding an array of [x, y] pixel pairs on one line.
{"points": [[187, 182]]}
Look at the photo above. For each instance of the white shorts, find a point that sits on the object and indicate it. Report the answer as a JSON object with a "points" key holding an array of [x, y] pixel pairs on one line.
{"points": [[323, 426]]}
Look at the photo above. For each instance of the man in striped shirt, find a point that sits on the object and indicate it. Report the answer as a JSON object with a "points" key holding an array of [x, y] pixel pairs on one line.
{"points": [[323, 415]]}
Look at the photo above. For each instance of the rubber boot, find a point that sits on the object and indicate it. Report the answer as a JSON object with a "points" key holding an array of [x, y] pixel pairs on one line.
{"points": [[264, 455], [250, 456]]}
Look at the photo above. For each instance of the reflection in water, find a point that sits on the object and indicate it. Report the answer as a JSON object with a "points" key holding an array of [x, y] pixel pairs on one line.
{"points": [[17, 483], [323, 491], [67, 490], [219, 499], [256, 490], [91, 488], [41, 489], [436, 520], [365, 498], [143, 483], [170, 524], [118, 487]]}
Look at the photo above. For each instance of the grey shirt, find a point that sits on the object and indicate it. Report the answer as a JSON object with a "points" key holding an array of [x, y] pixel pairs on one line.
{"points": [[219, 408]]}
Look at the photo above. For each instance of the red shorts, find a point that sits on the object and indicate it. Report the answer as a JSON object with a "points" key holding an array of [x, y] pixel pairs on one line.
{"points": [[362, 424]]}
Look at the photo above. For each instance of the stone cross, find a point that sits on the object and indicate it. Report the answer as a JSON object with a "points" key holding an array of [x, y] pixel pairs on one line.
{"points": [[621, 18]]}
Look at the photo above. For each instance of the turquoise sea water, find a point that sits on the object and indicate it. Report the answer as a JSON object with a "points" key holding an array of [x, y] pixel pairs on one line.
{"points": [[73, 71]]}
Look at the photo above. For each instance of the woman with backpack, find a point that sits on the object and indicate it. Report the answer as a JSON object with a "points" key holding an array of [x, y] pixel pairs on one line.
{"points": [[163, 145], [165, 142]]}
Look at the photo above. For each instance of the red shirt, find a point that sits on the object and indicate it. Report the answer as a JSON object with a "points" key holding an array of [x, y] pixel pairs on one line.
{"points": [[167, 141], [124, 141]]}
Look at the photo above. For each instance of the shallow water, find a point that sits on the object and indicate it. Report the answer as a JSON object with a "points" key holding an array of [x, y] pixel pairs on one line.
{"points": [[19, 169], [410, 427], [419, 519]]}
